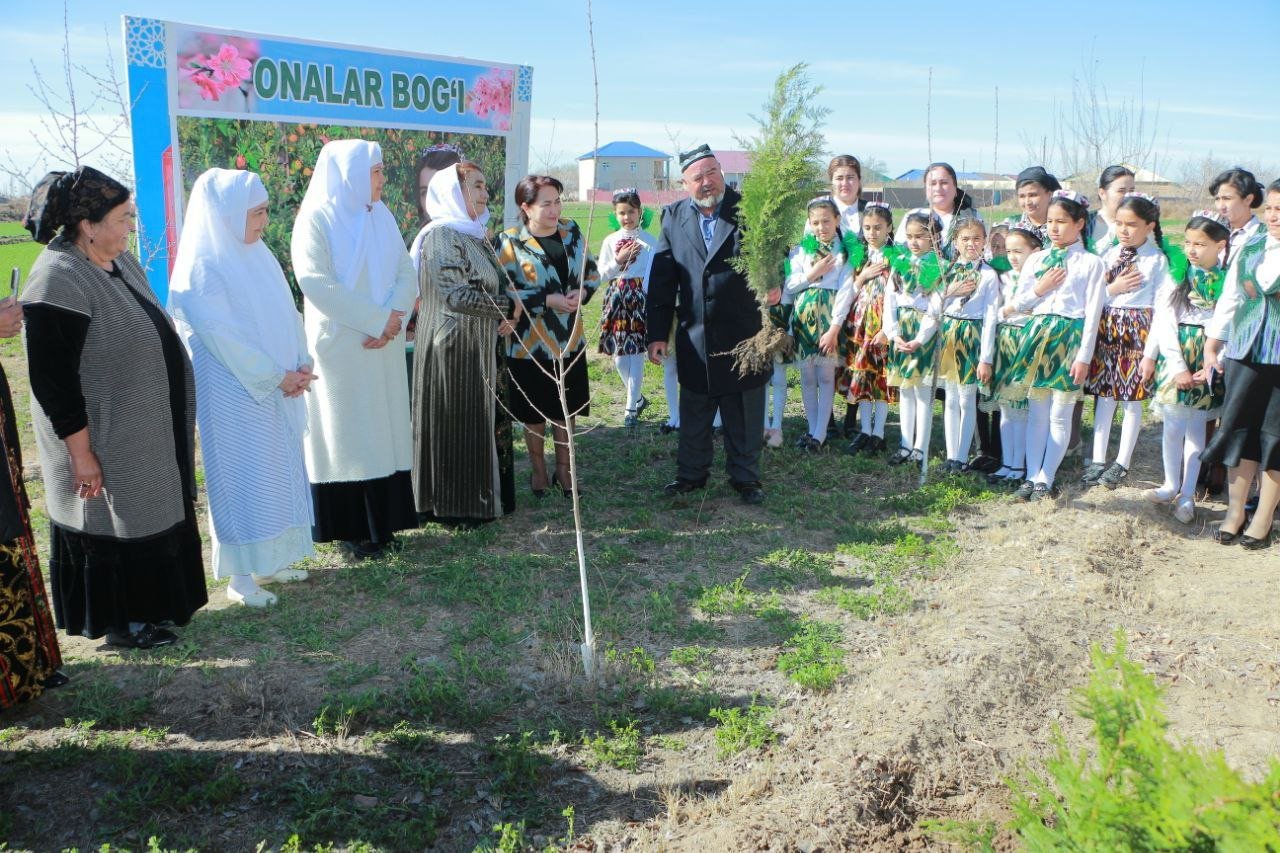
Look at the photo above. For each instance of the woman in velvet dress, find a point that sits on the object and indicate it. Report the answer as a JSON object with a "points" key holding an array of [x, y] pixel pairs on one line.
{"points": [[114, 419]]}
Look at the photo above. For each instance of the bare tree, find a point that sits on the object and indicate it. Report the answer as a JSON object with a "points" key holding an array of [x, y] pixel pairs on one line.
{"points": [[84, 115], [1096, 130]]}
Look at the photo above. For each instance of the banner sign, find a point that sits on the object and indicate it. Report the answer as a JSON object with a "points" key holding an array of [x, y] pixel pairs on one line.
{"points": [[203, 98]]}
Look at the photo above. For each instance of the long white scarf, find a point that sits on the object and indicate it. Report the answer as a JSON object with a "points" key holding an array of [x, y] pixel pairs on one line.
{"points": [[221, 282], [363, 235]]}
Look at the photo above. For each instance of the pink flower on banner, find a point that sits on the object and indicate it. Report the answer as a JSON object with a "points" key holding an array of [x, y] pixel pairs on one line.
{"points": [[229, 67], [216, 73], [490, 97]]}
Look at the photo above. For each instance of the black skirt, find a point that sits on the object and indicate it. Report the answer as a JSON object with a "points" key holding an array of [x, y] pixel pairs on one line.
{"points": [[363, 510], [533, 396], [101, 584], [1250, 427]]}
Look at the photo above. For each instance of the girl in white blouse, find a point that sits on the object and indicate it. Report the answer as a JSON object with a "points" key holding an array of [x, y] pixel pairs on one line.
{"points": [[1061, 288], [1137, 273]]}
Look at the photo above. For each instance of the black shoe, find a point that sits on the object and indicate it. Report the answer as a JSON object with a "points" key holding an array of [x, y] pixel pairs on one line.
{"points": [[1041, 492], [1025, 491], [683, 487], [642, 405], [985, 464], [751, 493], [1251, 544], [875, 445], [368, 549], [859, 442], [812, 445], [146, 637], [901, 456], [1092, 473], [56, 679], [667, 429], [1113, 476], [803, 442]]}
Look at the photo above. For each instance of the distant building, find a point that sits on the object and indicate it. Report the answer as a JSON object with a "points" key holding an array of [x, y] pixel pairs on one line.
{"points": [[986, 188], [735, 165], [623, 164], [1145, 180]]}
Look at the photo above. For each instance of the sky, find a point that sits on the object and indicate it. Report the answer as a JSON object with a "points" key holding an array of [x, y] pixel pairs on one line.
{"points": [[674, 73]]}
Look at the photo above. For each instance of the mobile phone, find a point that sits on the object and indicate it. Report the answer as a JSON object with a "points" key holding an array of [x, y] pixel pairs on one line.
{"points": [[15, 280]]}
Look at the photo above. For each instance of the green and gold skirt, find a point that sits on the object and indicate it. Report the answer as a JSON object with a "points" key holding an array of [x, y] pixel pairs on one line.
{"points": [[810, 320], [909, 369], [961, 346], [1049, 347], [1199, 397], [1007, 372]]}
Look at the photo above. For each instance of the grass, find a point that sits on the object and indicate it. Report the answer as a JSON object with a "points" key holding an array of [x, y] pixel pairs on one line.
{"points": [[742, 729], [452, 667], [812, 656]]}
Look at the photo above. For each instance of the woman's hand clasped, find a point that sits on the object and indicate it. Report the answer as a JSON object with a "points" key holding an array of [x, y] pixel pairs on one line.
{"points": [[297, 382], [564, 303]]}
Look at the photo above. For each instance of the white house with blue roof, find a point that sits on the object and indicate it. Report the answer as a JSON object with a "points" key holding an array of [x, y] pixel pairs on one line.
{"points": [[623, 164]]}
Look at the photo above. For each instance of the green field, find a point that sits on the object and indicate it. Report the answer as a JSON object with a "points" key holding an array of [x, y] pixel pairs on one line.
{"points": [[11, 229]]}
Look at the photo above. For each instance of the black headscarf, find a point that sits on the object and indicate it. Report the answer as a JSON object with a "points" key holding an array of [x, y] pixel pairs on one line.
{"points": [[65, 198]]}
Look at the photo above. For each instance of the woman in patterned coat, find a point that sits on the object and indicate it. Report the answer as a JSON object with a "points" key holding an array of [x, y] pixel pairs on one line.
{"points": [[114, 419], [544, 259], [462, 460]]}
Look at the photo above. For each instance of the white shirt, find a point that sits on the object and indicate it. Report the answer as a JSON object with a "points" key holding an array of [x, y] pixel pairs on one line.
{"points": [[1153, 265], [640, 267], [928, 306], [981, 305], [1081, 296], [850, 216], [802, 262], [1240, 236]]}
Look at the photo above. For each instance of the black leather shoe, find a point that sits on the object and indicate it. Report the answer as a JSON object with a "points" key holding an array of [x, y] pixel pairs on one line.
{"points": [[683, 487], [1251, 544], [667, 429], [56, 679], [146, 637], [859, 442], [751, 493]]}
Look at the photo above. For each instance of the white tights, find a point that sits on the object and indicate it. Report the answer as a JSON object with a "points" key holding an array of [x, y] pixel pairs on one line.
{"points": [[1048, 432], [1013, 440], [915, 408], [818, 390], [778, 396], [872, 417], [631, 371], [1184, 432], [1104, 410], [959, 419]]}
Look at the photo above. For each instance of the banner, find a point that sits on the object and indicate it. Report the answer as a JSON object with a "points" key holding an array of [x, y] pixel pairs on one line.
{"points": [[204, 98]]}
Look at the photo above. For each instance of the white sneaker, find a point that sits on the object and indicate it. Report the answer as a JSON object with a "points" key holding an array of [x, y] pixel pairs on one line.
{"points": [[283, 576], [257, 598], [773, 437], [1160, 495], [1184, 509]]}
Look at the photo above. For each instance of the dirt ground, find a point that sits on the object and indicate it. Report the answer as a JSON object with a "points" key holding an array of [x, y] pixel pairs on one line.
{"points": [[229, 739]]}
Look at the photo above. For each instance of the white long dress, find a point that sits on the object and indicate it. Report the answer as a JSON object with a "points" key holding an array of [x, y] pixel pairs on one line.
{"points": [[233, 309]]}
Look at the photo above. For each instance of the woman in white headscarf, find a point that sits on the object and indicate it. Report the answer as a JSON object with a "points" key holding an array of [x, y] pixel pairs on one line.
{"points": [[462, 465], [233, 308], [358, 283]]}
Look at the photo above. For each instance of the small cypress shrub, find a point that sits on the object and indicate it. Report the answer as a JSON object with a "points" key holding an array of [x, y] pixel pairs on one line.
{"points": [[1141, 791]]}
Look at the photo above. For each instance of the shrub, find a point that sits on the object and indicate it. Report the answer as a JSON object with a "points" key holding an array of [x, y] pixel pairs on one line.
{"points": [[1141, 791]]}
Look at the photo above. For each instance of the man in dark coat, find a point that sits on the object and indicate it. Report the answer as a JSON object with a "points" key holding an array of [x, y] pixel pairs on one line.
{"points": [[692, 281]]}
